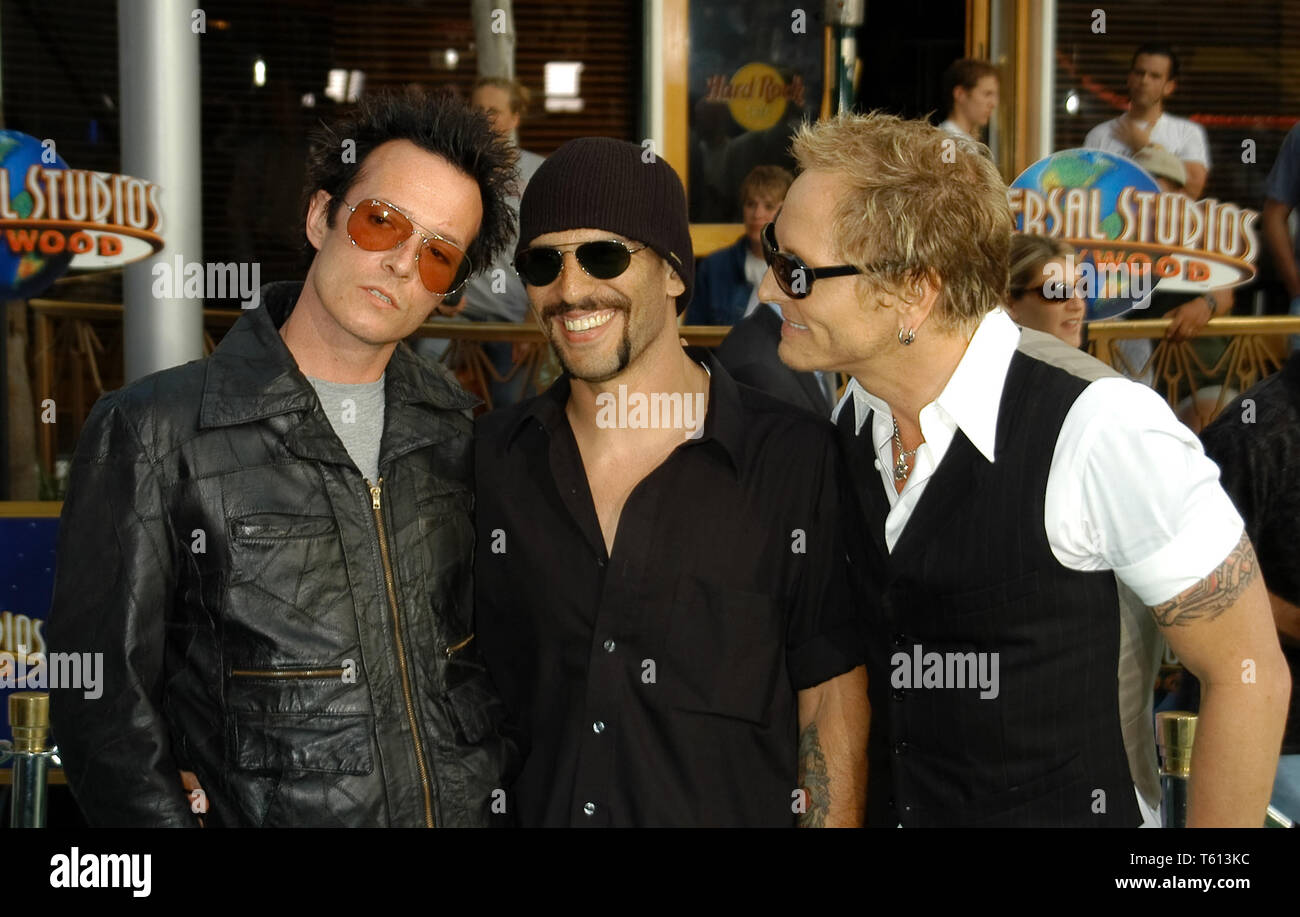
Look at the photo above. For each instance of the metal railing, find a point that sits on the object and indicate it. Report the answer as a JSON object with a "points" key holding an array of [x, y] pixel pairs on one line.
{"points": [[32, 753], [1255, 347], [76, 343], [1175, 738]]}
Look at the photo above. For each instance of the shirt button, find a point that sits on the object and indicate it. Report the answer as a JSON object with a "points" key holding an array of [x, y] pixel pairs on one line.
{"points": [[589, 808], [900, 748], [898, 694], [598, 727], [879, 467], [609, 646], [900, 639]]}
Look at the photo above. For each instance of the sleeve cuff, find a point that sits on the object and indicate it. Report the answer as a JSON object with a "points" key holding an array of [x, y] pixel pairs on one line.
{"points": [[825, 656], [1183, 562]]}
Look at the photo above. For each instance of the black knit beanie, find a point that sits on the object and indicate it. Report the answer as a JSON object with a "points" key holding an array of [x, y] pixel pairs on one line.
{"points": [[601, 183]]}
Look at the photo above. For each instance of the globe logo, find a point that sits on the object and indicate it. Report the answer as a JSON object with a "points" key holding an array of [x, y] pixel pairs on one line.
{"points": [[1130, 236], [24, 274], [55, 218], [1094, 170]]}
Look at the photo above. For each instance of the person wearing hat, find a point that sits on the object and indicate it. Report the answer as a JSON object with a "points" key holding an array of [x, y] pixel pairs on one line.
{"points": [[1167, 169], [661, 586], [1188, 313]]}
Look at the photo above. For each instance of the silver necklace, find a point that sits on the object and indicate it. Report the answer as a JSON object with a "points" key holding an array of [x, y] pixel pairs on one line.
{"points": [[901, 469]]}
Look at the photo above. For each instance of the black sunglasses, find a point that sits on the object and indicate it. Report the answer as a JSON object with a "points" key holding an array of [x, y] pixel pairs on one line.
{"points": [[604, 260], [793, 276]]}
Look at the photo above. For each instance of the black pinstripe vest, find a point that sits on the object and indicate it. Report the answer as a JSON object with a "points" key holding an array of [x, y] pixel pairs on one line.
{"points": [[973, 573]]}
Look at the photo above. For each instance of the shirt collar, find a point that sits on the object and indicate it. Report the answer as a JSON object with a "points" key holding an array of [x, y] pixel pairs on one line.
{"points": [[252, 375], [971, 398], [723, 420]]}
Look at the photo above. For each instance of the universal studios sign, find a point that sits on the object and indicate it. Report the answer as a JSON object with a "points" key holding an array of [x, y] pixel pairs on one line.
{"points": [[1131, 236], [54, 218]]}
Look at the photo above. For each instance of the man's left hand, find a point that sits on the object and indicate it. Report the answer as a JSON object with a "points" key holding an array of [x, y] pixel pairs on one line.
{"points": [[1187, 320], [194, 793], [1131, 134]]}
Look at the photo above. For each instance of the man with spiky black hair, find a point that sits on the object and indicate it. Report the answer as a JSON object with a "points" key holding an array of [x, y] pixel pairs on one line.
{"points": [[271, 547]]}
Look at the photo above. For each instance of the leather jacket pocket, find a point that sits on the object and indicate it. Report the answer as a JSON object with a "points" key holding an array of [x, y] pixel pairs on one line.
{"points": [[475, 709], [287, 718], [446, 544], [476, 755], [324, 743], [304, 769], [280, 527], [285, 558], [470, 698]]}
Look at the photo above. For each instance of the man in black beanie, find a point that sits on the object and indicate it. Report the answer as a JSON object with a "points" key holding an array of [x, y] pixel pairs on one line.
{"points": [[661, 579]]}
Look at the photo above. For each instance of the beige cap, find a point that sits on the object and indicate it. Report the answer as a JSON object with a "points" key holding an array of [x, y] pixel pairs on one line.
{"points": [[1162, 164]]}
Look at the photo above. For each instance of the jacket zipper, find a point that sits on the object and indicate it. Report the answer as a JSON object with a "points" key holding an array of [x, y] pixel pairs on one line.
{"points": [[375, 492], [287, 673], [453, 650]]}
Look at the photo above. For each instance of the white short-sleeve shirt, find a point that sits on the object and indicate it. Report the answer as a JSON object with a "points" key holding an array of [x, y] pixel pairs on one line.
{"points": [[949, 125], [1185, 139], [1129, 489]]}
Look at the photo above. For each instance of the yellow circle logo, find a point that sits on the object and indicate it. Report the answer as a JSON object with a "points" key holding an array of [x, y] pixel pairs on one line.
{"points": [[758, 97]]}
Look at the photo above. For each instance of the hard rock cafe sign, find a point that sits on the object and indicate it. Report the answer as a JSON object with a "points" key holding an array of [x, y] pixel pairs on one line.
{"points": [[756, 94]]}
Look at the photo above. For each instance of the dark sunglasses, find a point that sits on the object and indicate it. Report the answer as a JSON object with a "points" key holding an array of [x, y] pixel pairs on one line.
{"points": [[604, 260], [793, 276], [378, 226]]}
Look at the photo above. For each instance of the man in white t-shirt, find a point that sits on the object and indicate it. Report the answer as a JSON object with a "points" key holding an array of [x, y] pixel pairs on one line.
{"points": [[1152, 79], [1142, 134], [1006, 482]]}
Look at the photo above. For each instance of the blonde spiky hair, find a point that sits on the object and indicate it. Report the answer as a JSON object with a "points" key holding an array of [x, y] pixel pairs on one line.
{"points": [[917, 202]]}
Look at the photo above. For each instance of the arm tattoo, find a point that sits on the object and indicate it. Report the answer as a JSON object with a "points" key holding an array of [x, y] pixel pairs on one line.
{"points": [[813, 779], [1216, 593]]}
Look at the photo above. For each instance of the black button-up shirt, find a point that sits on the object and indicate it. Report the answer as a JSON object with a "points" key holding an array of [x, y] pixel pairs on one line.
{"points": [[657, 686], [1256, 441]]}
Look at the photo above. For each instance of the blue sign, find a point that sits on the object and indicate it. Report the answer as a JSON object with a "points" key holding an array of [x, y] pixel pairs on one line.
{"points": [[27, 547], [1131, 236]]}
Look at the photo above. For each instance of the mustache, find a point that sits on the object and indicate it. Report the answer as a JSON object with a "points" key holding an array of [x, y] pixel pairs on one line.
{"points": [[588, 304]]}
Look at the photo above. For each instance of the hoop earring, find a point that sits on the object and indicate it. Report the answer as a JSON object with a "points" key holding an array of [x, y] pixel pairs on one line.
{"points": [[911, 336]]}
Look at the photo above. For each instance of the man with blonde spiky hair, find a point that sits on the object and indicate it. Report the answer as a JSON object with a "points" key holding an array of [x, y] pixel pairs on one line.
{"points": [[1007, 484]]}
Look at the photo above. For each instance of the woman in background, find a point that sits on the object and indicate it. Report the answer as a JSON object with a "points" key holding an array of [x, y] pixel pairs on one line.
{"points": [[1044, 287]]}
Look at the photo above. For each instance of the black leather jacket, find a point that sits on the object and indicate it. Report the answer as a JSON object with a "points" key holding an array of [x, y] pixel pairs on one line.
{"points": [[300, 640]]}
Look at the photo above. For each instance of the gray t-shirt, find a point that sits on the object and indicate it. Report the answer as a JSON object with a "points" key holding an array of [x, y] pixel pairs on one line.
{"points": [[356, 412]]}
